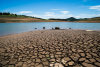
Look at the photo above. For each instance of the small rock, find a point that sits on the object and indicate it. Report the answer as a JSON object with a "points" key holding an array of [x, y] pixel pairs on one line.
{"points": [[63, 61], [88, 30], [88, 65], [82, 59], [58, 53], [2, 50], [11, 66], [71, 63], [92, 60], [4, 62], [46, 63], [29, 61], [58, 65], [38, 60], [40, 65], [44, 59], [57, 28], [51, 64], [82, 54], [13, 62], [43, 27], [52, 60], [80, 51], [19, 64], [97, 63], [52, 56], [25, 65]]}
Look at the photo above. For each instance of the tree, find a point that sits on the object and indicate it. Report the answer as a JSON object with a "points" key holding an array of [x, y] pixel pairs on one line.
{"points": [[0, 13], [5, 13], [8, 13], [71, 19], [15, 14]]}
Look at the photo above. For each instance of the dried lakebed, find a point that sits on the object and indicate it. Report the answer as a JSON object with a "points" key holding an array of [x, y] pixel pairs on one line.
{"points": [[51, 48]]}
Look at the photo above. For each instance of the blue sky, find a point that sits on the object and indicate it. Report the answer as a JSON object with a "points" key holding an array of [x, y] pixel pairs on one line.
{"points": [[52, 8]]}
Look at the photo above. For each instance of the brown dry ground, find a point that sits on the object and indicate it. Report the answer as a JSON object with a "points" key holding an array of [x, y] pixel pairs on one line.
{"points": [[22, 20], [88, 21], [51, 48]]}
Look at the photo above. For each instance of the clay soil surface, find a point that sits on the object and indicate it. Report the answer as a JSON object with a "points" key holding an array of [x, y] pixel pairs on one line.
{"points": [[51, 48]]}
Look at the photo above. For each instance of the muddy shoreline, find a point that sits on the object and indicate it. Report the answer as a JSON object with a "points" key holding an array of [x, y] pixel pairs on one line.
{"points": [[51, 48]]}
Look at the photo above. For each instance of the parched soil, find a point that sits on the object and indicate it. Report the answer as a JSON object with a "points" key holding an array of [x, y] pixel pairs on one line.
{"points": [[51, 48], [23, 20]]}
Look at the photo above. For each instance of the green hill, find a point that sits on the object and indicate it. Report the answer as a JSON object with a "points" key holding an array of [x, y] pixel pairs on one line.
{"points": [[95, 20], [11, 18]]}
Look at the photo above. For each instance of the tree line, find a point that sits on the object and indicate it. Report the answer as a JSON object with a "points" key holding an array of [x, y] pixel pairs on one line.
{"points": [[11, 14], [7, 13], [68, 19]]}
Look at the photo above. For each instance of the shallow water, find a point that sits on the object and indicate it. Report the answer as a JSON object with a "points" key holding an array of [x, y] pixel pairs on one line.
{"points": [[13, 28]]}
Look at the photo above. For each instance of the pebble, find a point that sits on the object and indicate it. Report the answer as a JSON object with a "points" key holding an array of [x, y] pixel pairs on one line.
{"points": [[71, 63], [58, 65]]}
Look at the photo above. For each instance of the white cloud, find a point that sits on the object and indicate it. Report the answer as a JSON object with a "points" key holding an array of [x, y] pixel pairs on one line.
{"points": [[77, 16], [83, 14], [50, 14], [54, 15], [98, 15], [34, 15], [55, 9], [64, 12], [22, 12], [95, 7], [89, 15], [62, 15]]}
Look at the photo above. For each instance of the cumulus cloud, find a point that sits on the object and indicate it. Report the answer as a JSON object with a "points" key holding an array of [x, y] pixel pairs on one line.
{"points": [[34, 15], [98, 14], [63, 15], [50, 14], [64, 12], [77, 16], [55, 9], [22, 12], [95, 7], [89, 15]]}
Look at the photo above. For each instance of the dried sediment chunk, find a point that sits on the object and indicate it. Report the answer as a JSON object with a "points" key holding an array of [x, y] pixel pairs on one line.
{"points": [[50, 48]]}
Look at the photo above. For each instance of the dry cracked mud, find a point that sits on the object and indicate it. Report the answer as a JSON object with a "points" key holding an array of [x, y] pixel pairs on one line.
{"points": [[51, 48]]}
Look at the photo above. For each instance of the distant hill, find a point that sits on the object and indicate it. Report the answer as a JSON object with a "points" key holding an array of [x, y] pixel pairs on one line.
{"points": [[72, 19], [19, 18], [95, 20], [11, 18], [24, 19]]}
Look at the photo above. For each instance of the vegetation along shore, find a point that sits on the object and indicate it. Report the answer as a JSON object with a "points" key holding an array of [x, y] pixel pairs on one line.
{"points": [[7, 17]]}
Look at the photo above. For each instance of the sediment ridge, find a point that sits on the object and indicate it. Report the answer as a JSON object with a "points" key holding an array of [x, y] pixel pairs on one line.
{"points": [[51, 48]]}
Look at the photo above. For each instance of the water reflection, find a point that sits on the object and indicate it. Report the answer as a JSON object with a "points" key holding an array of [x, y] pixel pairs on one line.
{"points": [[12, 28]]}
